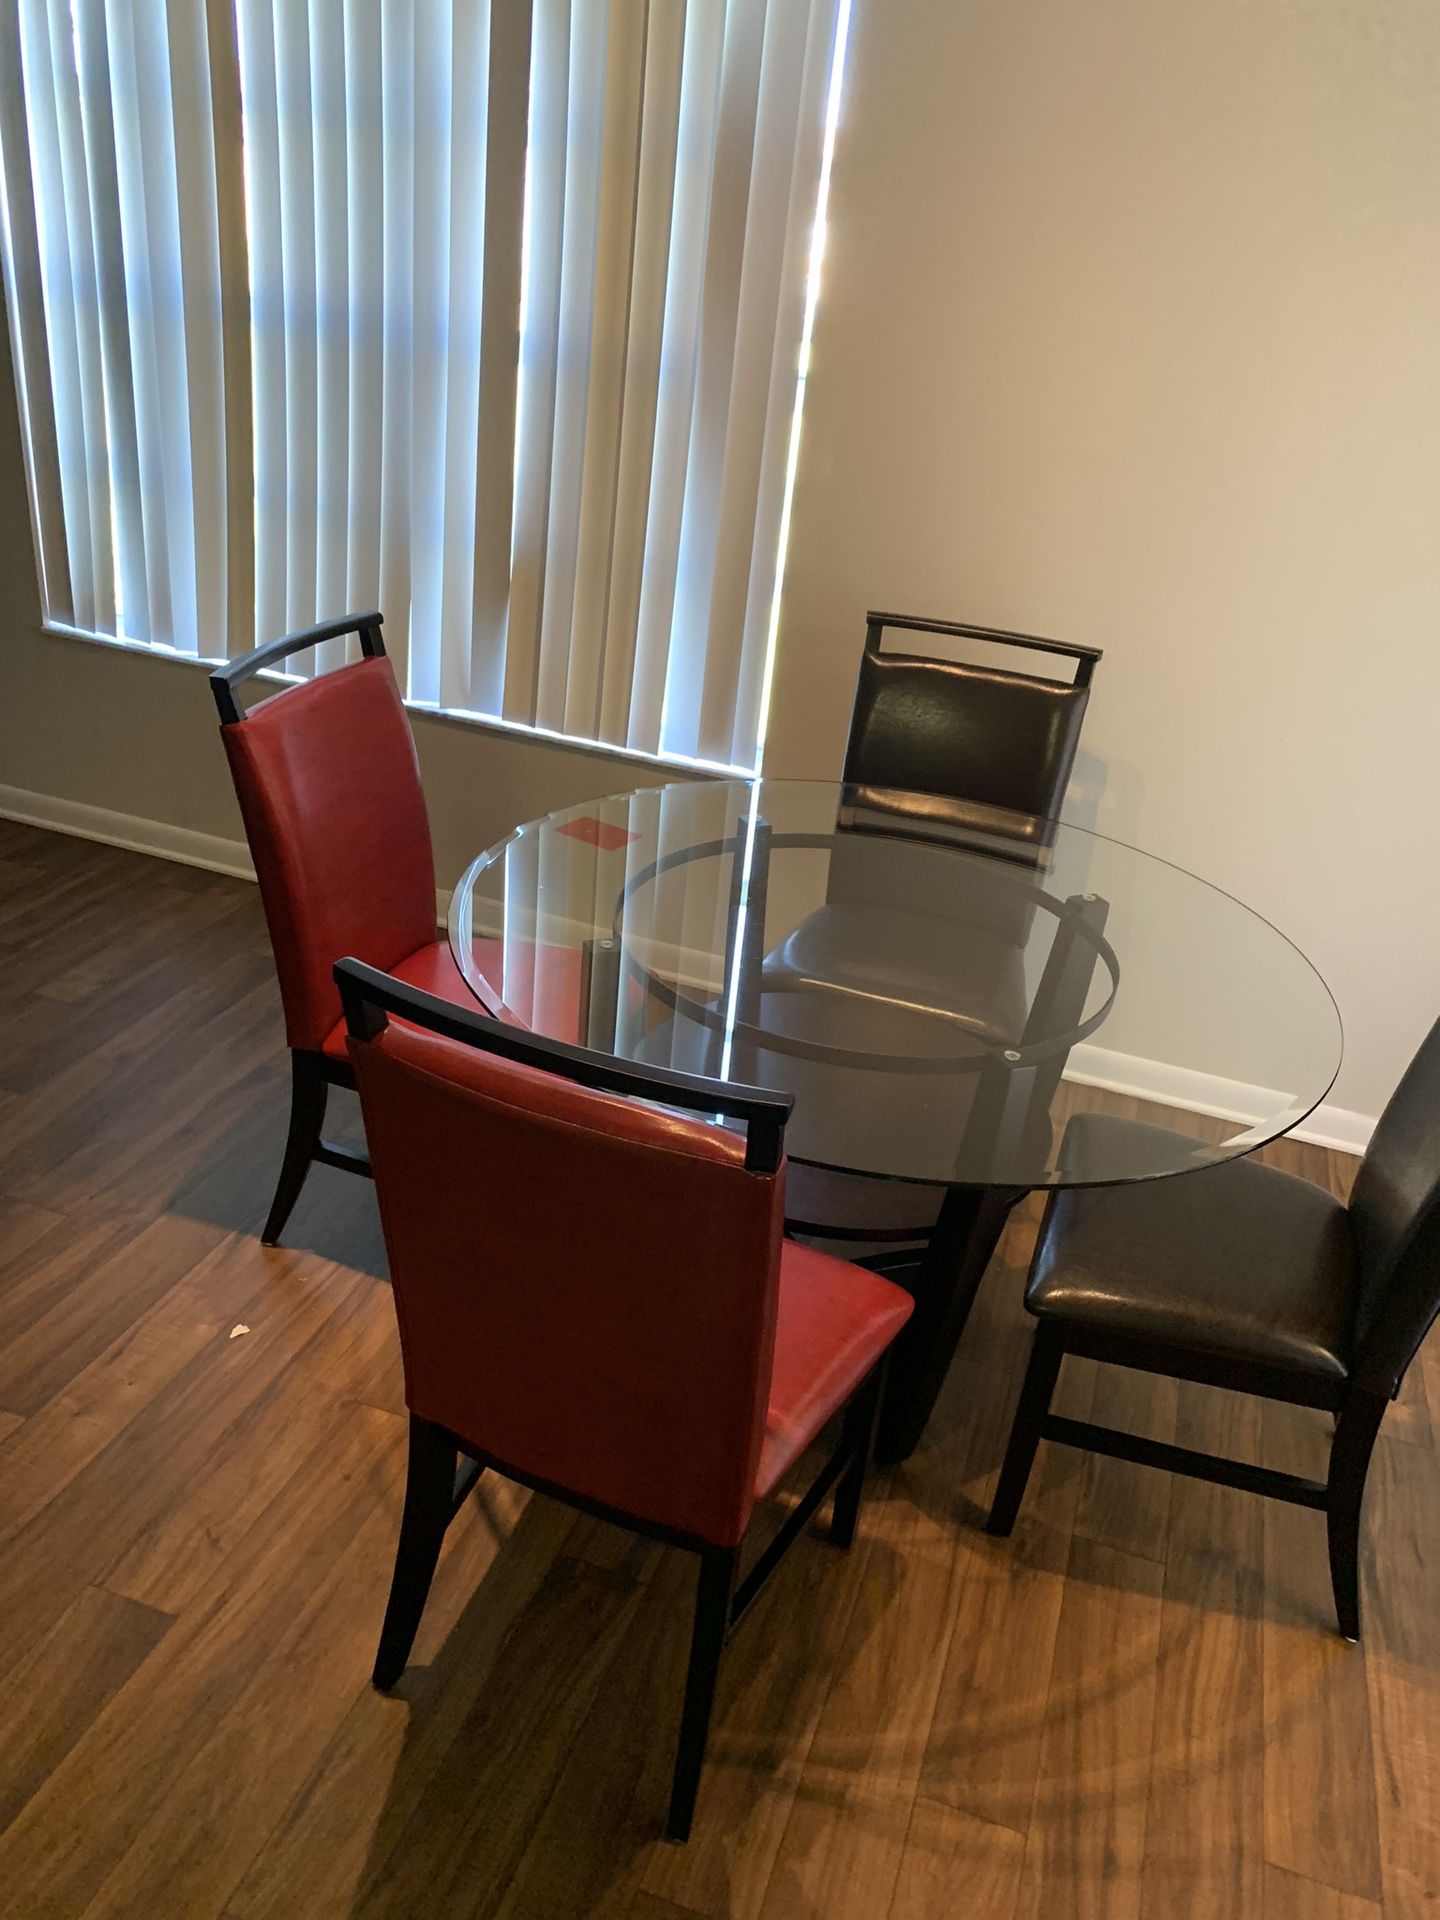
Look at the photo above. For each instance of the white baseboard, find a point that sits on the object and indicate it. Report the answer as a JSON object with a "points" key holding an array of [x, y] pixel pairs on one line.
{"points": [[127, 830], [1193, 1092], [1338, 1127], [1169, 1086]]}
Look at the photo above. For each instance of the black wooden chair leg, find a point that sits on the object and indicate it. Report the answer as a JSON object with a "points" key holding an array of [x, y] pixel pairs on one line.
{"points": [[309, 1092], [856, 1440], [429, 1503], [1355, 1434], [712, 1621], [1035, 1395]]}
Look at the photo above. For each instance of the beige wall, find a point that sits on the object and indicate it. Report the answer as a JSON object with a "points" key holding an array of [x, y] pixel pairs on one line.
{"points": [[1130, 333], [116, 729]]}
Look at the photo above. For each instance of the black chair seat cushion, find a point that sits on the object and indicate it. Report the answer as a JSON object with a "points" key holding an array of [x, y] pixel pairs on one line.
{"points": [[1238, 1260], [896, 979]]}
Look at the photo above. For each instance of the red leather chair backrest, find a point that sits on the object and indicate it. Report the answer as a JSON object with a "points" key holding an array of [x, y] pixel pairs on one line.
{"points": [[329, 790], [586, 1286]]}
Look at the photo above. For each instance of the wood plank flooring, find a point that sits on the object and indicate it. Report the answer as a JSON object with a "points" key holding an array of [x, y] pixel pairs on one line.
{"points": [[1136, 1707]]}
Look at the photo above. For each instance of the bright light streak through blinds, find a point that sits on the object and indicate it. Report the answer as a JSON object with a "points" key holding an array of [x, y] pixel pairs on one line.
{"points": [[792, 461]]}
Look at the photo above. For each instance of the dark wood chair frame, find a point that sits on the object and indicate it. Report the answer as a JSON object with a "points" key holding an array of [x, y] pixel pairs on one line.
{"points": [[1358, 1411], [437, 1484], [311, 1074]]}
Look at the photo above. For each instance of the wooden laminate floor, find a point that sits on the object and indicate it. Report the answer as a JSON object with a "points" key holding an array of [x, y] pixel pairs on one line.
{"points": [[1136, 1707]]}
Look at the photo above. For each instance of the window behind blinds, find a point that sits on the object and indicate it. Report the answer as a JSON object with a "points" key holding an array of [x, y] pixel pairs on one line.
{"points": [[489, 316]]}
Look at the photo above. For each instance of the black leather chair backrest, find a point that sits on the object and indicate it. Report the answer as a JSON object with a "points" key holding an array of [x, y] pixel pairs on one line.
{"points": [[982, 734], [1395, 1213]]}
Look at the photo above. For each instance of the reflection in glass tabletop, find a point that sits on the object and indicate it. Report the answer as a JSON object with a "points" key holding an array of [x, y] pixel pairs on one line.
{"points": [[942, 993]]}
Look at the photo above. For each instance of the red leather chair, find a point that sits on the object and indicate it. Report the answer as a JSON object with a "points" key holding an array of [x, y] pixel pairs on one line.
{"points": [[329, 791], [595, 1299]]}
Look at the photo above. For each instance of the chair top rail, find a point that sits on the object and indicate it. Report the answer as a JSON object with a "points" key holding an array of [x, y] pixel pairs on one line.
{"points": [[876, 622], [366, 993], [234, 673]]}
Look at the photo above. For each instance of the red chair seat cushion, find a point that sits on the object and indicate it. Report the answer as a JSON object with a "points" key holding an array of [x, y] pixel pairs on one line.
{"points": [[834, 1321], [432, 968], [554, 991]]}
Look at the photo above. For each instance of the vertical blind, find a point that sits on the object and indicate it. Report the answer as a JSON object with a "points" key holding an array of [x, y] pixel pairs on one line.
{"points": [[488, 315]]}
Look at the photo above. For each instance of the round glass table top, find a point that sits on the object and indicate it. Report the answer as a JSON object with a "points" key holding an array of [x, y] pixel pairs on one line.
{"points": [[952, 995]]}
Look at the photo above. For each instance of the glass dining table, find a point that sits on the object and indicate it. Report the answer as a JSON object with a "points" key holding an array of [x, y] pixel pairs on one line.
{"points": [[965, 1005]]}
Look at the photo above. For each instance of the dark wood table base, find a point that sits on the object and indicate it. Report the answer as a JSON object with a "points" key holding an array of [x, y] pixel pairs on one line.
{"points": [[944, 1281]]}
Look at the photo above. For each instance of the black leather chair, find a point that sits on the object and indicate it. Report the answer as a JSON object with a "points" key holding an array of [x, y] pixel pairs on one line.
{"points": [[947, 747], [973, 756], [1241, 1276]]}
